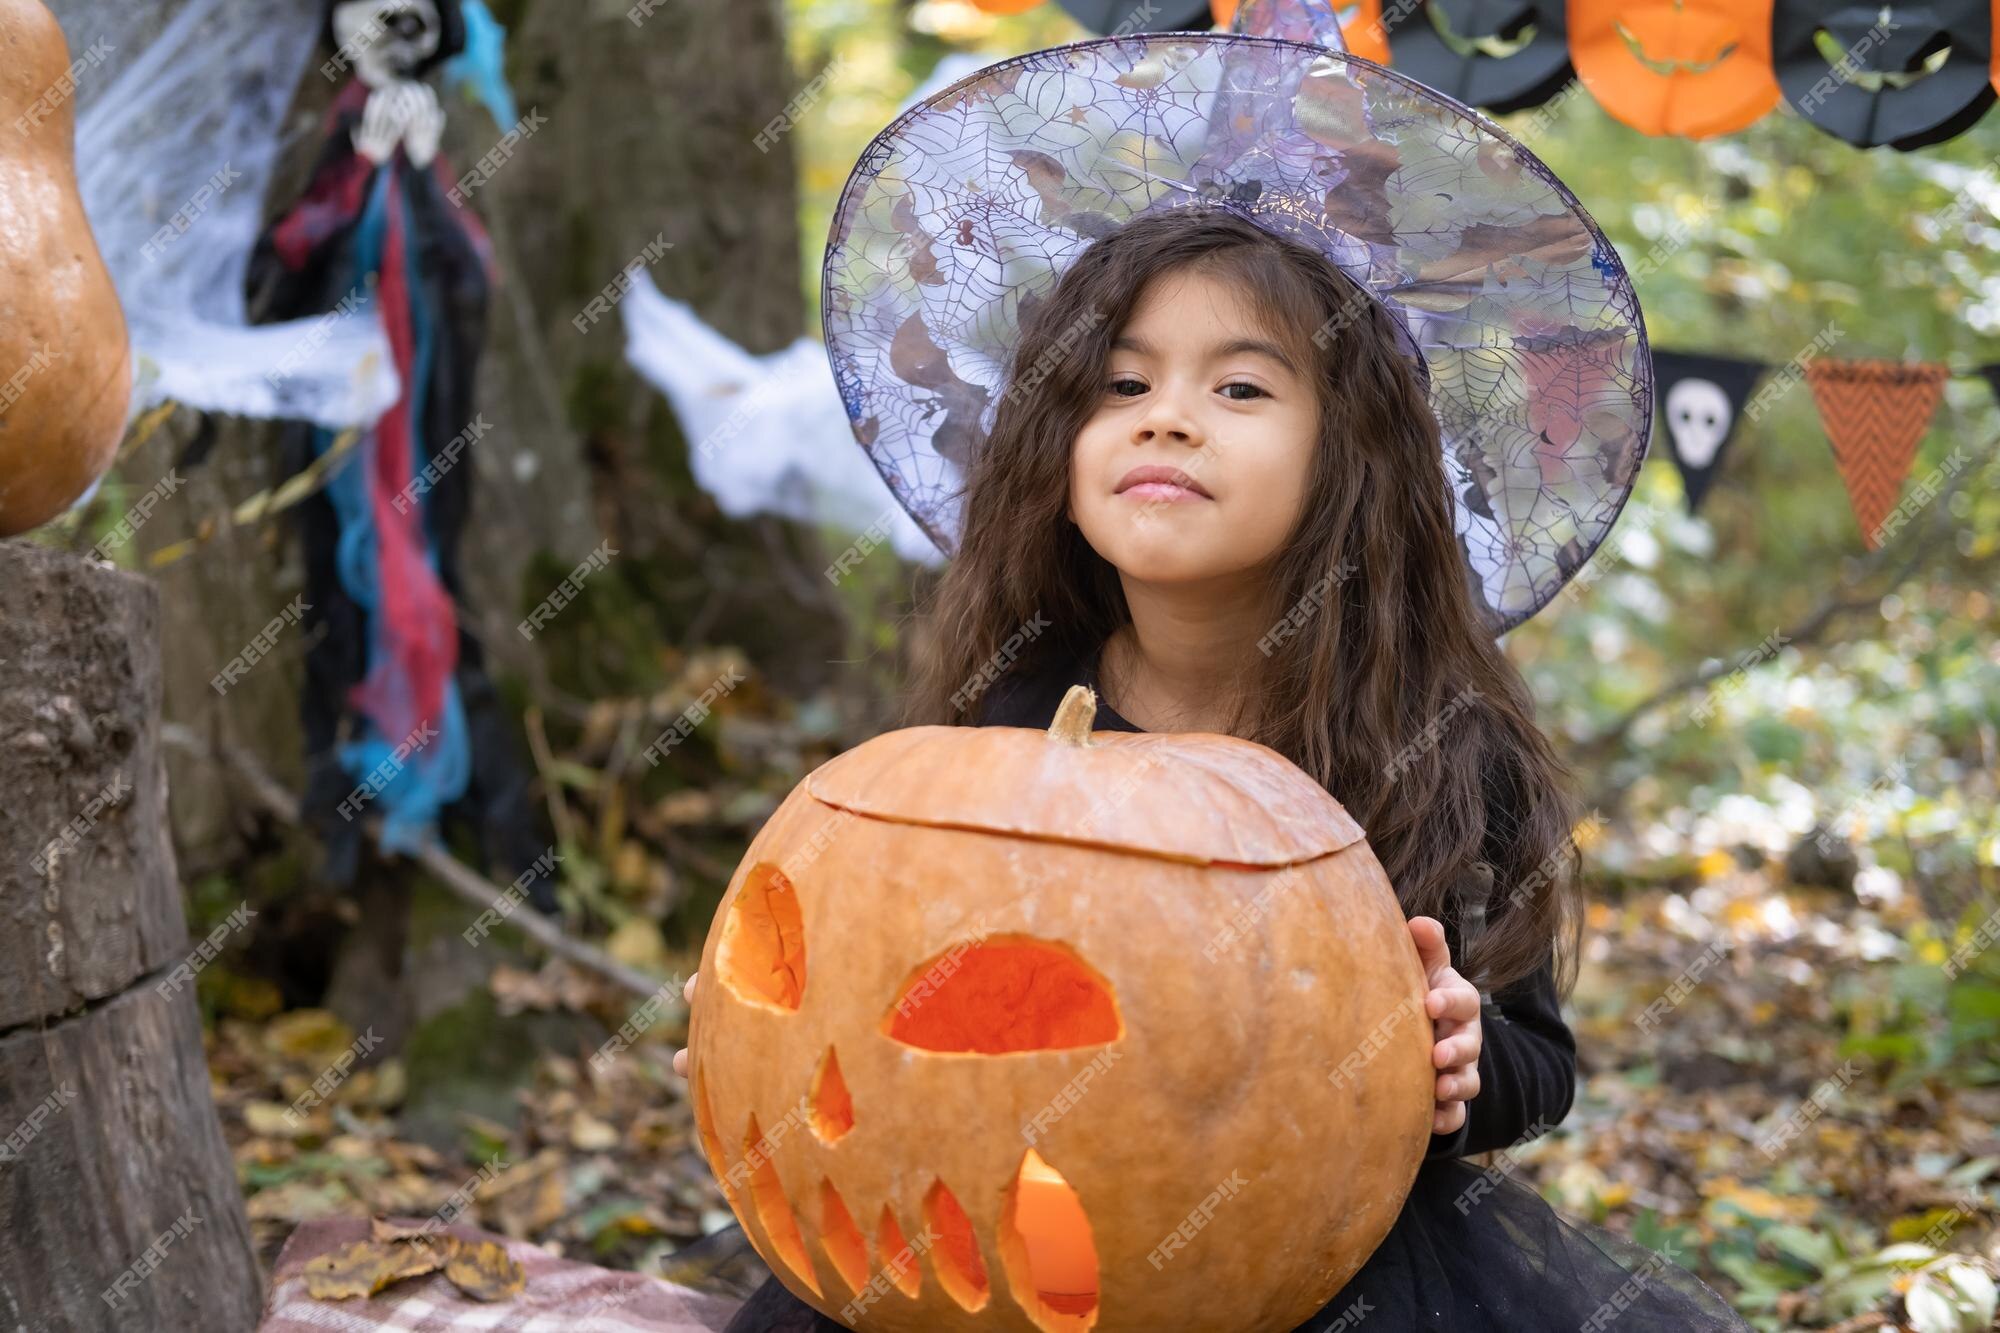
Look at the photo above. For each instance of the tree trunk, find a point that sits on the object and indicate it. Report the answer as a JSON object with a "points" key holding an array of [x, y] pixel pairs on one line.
{"points": [[118, 1200]]}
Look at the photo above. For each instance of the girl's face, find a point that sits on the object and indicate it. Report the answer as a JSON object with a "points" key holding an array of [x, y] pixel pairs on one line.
{"points": [[1194, 465]]}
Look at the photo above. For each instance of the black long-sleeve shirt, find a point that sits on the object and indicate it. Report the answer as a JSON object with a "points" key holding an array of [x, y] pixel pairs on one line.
{"points": [[1527, 1055], [1527, 1069]]}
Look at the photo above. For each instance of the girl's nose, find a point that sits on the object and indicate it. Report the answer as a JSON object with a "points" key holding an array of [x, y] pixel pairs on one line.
{"points": [[1166, 419]]}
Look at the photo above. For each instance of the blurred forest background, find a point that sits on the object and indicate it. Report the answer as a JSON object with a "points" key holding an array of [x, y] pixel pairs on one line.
{"points": [[1791, 853]]}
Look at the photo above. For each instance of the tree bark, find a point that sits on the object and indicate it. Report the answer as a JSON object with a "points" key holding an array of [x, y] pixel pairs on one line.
{"points": [[118, 1199]]}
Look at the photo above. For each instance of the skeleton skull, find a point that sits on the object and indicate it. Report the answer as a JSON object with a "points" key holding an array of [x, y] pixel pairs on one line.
{"points": [[998, 1025], [1698, 415], [390, 40]]}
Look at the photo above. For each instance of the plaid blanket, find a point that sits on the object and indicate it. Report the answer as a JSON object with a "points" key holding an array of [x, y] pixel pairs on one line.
{"points": [[561, 1296]]}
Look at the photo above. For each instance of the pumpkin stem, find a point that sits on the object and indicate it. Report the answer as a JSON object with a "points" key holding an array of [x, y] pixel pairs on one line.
{"points": [[1074, 715]]}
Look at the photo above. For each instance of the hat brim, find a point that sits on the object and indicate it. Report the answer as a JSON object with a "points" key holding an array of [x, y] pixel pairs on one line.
{"points": [[980, 196]]}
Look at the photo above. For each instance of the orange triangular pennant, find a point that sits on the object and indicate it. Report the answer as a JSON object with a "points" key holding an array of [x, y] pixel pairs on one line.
{"points": [[1875, 412]]}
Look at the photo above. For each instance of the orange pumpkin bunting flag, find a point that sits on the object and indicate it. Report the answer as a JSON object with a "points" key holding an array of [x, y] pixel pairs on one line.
{"points": [[1360, 26], [1875, 413], [1696, 68]]}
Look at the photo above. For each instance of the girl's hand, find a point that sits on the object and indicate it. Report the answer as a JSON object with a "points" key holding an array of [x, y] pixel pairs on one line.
{"points": [[681, 1056], [1453, 1005]]}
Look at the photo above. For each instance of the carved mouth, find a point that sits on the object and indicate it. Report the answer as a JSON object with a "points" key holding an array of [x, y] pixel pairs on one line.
{"points": [[984, 998]]}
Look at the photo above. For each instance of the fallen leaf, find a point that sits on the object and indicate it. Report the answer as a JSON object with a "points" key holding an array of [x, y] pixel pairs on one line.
{"points": [[271, 1121], [382, 1229], [367, 1266], [483, 1270], [589, 1134], [638, 943], [308, 1034]]}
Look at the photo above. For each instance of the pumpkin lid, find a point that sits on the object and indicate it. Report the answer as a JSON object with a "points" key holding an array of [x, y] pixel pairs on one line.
{"points": [[1180, 796]]}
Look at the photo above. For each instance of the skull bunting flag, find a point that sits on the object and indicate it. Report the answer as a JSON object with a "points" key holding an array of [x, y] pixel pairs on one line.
{"points": [[1701, 398]]}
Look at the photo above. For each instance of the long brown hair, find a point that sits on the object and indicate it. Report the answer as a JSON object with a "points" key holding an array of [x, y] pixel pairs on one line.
{"points": [[1380, 679]]}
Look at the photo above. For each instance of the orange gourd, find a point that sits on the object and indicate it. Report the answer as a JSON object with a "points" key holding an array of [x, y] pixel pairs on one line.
{"points": [[995, 1023], [65, 360], [1696, 68]]}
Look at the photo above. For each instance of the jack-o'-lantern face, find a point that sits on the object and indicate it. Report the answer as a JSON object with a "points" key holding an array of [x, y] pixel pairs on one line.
{"points": [[1696, 68], [1902, 75], [1004, 1030]]}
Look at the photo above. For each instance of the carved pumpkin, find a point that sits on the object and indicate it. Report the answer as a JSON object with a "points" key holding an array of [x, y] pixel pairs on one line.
{"points": [[994, 1022], [1698, 68], [65, 360]]}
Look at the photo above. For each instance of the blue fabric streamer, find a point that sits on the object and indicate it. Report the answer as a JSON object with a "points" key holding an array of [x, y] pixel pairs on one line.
{"points": [[482, 65], [429, 778]]}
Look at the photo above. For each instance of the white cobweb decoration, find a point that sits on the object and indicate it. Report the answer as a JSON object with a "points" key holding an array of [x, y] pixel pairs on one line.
{"points": [[178, 128], [768, 434]]}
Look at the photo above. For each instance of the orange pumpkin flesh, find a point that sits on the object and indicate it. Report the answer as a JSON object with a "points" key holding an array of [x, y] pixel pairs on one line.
{"points": [[1041, 1031], [65, 360]]}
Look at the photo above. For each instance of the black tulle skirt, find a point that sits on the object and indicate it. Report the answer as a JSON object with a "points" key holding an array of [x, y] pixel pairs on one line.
{"points": [[1504, 1263]]}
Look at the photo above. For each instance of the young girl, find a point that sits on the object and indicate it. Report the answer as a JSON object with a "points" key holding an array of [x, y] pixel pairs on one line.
{"points": [[1164, 504], [1237, 488]]}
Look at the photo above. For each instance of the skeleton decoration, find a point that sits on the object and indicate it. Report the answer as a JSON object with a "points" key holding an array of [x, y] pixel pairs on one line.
{"points": [[401, 720], [393, 41], [1702, 398]]}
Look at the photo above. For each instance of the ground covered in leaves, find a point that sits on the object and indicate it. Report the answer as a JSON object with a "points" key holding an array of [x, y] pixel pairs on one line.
{"points": [[1788, 1090]]}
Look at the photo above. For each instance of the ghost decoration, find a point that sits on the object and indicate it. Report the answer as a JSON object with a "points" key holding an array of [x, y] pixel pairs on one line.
{"points": [[1903, 75], [1701, 398]]}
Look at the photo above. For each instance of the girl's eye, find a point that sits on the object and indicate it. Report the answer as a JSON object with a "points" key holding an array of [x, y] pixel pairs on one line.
{"points": [[1120, 386], [1254, 391]]}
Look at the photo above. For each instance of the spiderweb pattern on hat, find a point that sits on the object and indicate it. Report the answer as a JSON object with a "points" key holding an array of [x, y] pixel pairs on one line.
{"points": [[1524, 318]]}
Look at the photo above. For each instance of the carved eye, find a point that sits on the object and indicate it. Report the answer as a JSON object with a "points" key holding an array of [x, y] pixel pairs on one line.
{"points": [[762, 956], [1002, 995]]}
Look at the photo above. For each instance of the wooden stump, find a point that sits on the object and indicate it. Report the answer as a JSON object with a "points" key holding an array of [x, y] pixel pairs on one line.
{"points": [[119, 1207]]}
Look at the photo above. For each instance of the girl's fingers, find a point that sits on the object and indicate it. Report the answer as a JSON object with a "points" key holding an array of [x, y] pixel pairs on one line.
{"points": [[1458, 1051], [681, 1062], [1459, 1086], [1446, 1119], [1456, 1000], [687, 991], [1431, 949]]}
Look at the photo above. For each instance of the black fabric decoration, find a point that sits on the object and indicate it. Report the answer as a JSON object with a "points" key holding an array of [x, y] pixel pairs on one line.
{"points": [[1701, 398], [1105, 17], [1873, 90], [1992, 376], [1457, 60]]}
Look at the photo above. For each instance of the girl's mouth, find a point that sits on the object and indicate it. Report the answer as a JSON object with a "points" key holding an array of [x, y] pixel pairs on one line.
{"points": [[1154, 483], [1162, 491]]}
